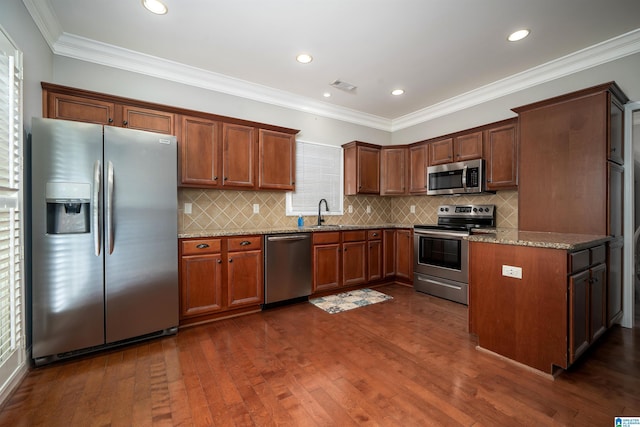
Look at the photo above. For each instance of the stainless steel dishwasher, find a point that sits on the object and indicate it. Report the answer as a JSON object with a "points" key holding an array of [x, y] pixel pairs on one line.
{"points": [[287, 267]]}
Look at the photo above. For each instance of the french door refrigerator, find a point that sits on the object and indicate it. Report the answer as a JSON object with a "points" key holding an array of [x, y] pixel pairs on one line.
{"points": [[103, 237]]}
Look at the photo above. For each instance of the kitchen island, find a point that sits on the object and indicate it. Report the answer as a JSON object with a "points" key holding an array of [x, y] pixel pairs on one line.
{"points": [[537, 298]]}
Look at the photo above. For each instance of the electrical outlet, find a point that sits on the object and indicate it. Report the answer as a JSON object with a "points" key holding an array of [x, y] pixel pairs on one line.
{"points": [[256, 208], [350, 209], [511, 271], [188, 208], [368, 209], [412, 209]]}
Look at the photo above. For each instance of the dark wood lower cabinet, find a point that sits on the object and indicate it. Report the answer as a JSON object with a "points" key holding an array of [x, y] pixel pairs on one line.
{"points": [[220, 277], [404, 254]]}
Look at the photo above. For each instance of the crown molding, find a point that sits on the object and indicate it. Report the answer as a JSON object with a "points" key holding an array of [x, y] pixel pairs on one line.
{"points": [[609, 50], [84, 49]]}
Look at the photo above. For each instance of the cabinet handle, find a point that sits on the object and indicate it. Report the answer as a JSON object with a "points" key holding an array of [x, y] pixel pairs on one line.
{"points": [[293, 183], [125, 122], [202, 246], [245, 243], [375, 234], [215, 178], [230, 259], [219, 261], [225, 178], [110, 120], [613, 149]]}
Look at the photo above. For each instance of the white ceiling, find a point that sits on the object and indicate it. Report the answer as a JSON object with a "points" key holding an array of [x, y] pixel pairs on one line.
{"points": [[446, 54]]}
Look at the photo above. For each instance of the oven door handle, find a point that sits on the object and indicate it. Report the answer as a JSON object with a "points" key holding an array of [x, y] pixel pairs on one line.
{"points": [[454, 234], [446, 285]]}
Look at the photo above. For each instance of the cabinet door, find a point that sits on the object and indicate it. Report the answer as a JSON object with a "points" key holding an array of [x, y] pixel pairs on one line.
{"points": [[598, 301], [353, 263], [441, 152], [368, 170], [244, 278], [616, 137], [501, 157], [238, 155], [199, 152], [579, 322], [374, 260], [77, 108], [468, 147], [393, 171], [200, 284], [615, 209], [149, 120], [404, 254], [389, 253], [614, 284], [277, 160], [418, 161], [326, 266]]}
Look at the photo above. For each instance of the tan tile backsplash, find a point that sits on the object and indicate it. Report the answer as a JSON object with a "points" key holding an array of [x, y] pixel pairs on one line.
{"points": [[223, 209]]}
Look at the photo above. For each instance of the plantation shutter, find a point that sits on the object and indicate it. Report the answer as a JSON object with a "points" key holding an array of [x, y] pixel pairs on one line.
{"points": [[11, 293]]}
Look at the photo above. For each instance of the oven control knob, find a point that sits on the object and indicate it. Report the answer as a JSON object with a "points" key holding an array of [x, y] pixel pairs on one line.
{"points": [[475, 209]]}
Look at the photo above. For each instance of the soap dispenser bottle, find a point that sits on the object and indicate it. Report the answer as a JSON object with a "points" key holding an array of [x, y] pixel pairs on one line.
{"points": [[300, 221]]}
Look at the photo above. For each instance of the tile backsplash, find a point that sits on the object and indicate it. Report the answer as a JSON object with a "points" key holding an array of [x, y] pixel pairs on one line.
{"points": [[224, 209]]}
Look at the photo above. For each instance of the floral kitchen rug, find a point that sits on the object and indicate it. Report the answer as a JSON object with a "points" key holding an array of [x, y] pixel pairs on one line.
{"points": [[349, 300]]}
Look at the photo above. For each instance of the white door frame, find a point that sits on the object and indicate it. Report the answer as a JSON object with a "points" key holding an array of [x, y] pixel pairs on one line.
{"points": [[629, 206]]}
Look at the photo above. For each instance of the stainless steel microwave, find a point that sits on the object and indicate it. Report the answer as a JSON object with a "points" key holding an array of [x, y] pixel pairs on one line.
{"points": [[456, 178]]}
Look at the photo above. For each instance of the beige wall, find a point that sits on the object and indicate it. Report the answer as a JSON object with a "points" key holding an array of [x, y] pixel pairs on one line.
{"points": [[226, 209]]}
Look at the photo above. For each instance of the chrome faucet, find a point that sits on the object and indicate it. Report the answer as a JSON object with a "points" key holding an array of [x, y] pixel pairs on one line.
{"points": [[326, 206]]}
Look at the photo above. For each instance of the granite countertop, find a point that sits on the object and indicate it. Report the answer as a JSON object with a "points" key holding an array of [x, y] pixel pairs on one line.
{"points": [[283, 230], [510, 236]]}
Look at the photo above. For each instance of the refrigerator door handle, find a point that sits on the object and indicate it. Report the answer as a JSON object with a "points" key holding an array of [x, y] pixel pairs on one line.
{"points": [[97, 230], [109, 210]]}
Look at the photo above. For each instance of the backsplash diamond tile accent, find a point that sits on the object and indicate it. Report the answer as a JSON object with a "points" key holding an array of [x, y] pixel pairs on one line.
{"points": [[228, 209]]}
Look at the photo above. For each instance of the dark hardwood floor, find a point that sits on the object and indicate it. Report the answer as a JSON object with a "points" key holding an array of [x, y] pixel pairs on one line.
{"points": [[404, 362]]}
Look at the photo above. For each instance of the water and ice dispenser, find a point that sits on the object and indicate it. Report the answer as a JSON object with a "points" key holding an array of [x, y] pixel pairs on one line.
{"points": [[68, 207]]}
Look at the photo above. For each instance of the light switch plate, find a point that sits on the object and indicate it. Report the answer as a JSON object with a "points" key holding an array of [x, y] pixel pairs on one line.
{"points": [[256, 208], [412, 209], [511, 271], [188, 208], [350, 209], [368, 209]]}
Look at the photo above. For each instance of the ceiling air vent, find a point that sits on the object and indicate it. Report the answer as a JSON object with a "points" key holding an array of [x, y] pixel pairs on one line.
{"points": [[348, 87]]}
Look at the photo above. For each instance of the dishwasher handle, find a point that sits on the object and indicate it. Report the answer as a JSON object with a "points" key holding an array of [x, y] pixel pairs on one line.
{"points": [[286, 238]]}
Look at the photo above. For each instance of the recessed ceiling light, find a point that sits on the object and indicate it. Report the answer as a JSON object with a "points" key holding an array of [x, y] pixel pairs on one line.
{"points": [[326, 95], [518, 35], [155, 6], [304, 58], [397, 92]]}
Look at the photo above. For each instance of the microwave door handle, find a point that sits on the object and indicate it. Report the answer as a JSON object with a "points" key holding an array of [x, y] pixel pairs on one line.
{"points": [[464, 177]]}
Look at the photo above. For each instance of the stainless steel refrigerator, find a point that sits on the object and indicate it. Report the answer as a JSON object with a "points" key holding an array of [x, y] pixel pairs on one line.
{"points": [[103, 237]]}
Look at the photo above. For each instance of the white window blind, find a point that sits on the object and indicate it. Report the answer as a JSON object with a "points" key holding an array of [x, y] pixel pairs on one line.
{"points": [[318, 176], [11, 294]]}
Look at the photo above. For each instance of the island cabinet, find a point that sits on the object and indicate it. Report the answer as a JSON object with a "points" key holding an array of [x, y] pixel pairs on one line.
{"points": [[547, 318], [361, 168], [576, 135], [220, 277], [501, 156], [64, 103], [394, 172]]}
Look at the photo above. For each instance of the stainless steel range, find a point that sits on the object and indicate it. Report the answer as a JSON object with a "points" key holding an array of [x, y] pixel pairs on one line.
{"points": [[441, 252]]}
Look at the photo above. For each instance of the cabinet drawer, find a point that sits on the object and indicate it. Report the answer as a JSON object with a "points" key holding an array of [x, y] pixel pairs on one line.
{"points": [[325, 238], [200, 246], [244, 243], [354, 235], [598, 255], [579, 260], [374, 234]]}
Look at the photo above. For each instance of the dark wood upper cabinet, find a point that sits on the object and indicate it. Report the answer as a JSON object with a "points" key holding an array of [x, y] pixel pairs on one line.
{"points": [[79, 108], [199, 152], [238, 154], [277, 160], [394, 171], [361, 168], [501, 156], [467, 146], [441, 152], [148, 120], [418, 161], [564, 149]]}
